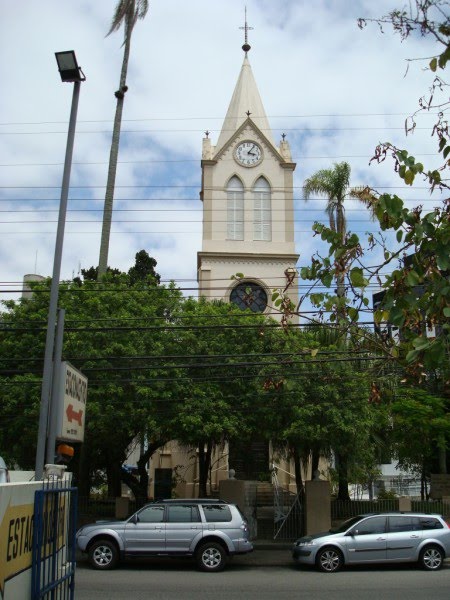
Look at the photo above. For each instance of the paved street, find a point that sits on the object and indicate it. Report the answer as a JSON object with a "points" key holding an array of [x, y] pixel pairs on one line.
{"points": [[263, 575]]}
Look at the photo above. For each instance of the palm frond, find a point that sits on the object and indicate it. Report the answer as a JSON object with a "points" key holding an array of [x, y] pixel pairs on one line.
{"points": [[127, 12], [366, 196]]}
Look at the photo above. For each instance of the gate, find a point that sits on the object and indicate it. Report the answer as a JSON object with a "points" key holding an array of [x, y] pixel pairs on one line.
{"points": [[288, 513], [53, 559]]}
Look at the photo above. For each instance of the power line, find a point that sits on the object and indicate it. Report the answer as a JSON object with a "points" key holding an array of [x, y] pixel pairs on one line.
{"points": [[143, 119]]}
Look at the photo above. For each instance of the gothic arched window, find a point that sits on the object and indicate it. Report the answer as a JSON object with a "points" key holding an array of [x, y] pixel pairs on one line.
{"points": [[262, 217], [235, 209]]}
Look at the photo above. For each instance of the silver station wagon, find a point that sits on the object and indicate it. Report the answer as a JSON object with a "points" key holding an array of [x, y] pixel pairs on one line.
{"points": [[209, 530], [378, 538]]}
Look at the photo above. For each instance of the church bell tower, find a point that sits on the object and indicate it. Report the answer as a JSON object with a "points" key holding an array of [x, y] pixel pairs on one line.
{"points": [[248, 215]]}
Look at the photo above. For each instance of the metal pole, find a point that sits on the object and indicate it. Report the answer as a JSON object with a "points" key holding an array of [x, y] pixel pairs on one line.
{"points": [[56, 379], [54, 290]]}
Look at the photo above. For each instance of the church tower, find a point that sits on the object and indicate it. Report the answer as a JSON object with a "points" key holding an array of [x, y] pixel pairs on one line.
{"points": [[248, 215]]}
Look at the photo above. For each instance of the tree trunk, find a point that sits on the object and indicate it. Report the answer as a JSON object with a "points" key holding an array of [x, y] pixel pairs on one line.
{"points": [[442, 455], [204, 462], [114, 479], [342, 470], [113, 156], [315, 457], [81, 470], [139, 485], [297, 470]]}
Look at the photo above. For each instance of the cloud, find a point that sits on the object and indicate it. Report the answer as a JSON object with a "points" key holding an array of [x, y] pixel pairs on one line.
{"points": [[336, 91]]}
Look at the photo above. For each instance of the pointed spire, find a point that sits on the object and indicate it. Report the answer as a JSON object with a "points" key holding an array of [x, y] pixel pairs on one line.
{"points": [[245, 103]]}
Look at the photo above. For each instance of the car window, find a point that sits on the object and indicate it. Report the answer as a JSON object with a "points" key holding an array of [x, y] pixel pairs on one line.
{"points": [[183, 513], [370, 525], [346, 525], [217, 513], [430, 523], [399, 523], [151, 514]]}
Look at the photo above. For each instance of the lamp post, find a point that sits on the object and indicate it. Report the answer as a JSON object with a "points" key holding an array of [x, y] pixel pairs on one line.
{"points": [[72, 73]]}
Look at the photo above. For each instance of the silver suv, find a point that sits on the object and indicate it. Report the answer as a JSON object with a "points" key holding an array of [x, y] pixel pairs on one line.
{"points": [[378, 538], [208, 529]]}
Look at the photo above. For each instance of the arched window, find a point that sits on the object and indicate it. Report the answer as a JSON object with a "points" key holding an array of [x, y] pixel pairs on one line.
{"points": [[262, 218], [235, 209], [249, 295]]}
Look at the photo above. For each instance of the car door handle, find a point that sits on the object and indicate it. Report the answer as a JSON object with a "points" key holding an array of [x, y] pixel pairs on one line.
{"points": [[381, 539], [415, 537]]}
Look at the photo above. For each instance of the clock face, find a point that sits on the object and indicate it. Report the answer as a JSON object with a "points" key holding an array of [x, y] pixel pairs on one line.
{"points": [[248, 154], [249, 295]]}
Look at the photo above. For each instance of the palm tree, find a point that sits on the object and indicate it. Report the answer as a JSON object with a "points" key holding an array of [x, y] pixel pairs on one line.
{"points": [[127, 13], [335, 184]]}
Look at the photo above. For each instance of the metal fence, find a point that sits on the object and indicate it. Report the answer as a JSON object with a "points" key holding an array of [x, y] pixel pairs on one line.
{"points": [[341, 510], [53, 555]]}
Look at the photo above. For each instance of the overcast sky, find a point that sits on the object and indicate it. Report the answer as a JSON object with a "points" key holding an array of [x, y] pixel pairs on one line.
{"points": [[336, 91]]}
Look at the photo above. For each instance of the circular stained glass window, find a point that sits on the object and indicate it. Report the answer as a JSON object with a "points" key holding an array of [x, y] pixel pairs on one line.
{"points": [[249, 295]]}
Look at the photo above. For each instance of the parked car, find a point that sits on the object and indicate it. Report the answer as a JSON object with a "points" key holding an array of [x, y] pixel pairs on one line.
{"points": [[378, 538], [210, 530]]}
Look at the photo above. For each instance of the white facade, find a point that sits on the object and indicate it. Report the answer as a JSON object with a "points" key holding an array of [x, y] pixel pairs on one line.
{"points": [[247, 195]]}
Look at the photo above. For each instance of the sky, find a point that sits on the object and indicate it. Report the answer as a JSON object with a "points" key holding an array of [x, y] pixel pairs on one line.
{"points": [[336, 91]]}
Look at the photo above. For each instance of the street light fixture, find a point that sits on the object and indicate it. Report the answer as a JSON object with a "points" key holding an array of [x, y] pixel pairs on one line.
{"points": [[70, 72], [68, 67]]}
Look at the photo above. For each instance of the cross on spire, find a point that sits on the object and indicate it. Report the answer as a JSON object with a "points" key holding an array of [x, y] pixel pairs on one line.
{"points": [[246, 47]]}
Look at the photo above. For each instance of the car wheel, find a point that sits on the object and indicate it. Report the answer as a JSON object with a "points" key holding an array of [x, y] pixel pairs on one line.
{"points": [[103, 555], [211, 556], [329, 560], [431, 558]]}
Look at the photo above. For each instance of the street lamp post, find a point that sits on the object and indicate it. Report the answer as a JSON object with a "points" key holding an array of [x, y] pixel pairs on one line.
{"points": [[72, 73]]}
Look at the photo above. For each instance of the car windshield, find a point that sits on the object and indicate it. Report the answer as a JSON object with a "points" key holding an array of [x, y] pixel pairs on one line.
{"points": [[346, 525]]}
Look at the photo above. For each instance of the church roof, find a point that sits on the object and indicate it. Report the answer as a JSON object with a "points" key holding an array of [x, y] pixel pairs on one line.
{"points": [[245, 99]]}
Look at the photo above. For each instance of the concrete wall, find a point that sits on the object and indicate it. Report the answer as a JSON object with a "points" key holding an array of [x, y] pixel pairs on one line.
{"points": [[16, 535], [242, 493]]}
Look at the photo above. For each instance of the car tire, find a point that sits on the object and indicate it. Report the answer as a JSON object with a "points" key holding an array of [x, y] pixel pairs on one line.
{"points": [[431, 558], [329, 560], [103, 555], [211, 557]]}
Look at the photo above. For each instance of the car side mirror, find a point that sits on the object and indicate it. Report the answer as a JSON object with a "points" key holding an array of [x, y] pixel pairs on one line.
{"points": [[353, 532], [134, 519]]}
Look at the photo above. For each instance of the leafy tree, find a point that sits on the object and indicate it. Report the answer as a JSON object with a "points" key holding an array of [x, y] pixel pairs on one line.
{"points": [[417, 293], [420, 422], [114, 333], [127, 13], [220, 389], [318, 403]]}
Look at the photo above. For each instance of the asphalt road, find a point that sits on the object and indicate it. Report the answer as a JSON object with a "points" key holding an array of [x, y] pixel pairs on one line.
{"points": [[262, 575]]}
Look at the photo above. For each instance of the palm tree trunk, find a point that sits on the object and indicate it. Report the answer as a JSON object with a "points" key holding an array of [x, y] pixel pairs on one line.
{"points": [[112, 169]]}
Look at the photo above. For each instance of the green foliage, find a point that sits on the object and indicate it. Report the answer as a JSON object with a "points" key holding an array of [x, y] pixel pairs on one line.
{"points": [[123, 402], [387, 495], [420, 424], [417, 292]]}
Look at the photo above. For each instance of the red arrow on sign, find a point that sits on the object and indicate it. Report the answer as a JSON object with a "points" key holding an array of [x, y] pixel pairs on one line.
{"points": [[73, 415]]}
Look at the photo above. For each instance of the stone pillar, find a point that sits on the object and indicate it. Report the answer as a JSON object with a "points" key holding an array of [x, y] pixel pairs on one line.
{"points": [[242, 493], [317, 506], [122, 507], [404, 504]]}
